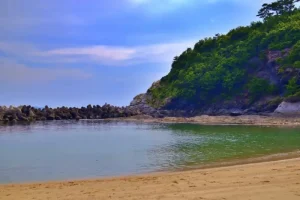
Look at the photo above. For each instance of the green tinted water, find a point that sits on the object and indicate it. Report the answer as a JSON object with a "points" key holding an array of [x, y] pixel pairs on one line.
{"points": [[212, 144], [88, 149]]}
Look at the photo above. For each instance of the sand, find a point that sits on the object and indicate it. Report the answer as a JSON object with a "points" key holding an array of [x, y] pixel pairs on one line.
{"points": [[275, 180], [257, 120]]}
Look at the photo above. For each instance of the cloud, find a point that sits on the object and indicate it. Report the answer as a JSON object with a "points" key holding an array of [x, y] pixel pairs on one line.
{"points": [[98, 54], [115, 55], [29, 52], [95, 52], [14, 72]]}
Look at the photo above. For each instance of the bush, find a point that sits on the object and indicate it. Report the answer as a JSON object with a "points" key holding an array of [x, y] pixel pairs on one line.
{"points": [[258, 87], [293, 58], [293, 98]]}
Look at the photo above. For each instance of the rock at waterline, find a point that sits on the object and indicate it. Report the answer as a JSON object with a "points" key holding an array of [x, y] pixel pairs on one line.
{"points": [[288, 108]]}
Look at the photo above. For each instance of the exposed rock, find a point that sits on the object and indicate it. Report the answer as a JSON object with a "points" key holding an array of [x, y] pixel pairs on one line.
{"points": [[2, 110], [28, 113], [235, 112], [42, 119], [22, 118], [268, 69], [50, 117], [274, 55], [57, 118], [78, 118], [31, 114], [140, 105], [287, 108]]}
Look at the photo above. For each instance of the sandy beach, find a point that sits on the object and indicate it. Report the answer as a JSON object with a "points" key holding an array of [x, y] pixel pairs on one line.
{"points": [[268, 180], [256, 120]]}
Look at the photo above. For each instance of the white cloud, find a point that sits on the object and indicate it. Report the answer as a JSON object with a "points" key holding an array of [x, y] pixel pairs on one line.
{"points": [[114, 55], [97, 54]]}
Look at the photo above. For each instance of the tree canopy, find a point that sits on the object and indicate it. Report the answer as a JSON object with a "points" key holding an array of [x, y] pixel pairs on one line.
{"points": [[277, 8]]}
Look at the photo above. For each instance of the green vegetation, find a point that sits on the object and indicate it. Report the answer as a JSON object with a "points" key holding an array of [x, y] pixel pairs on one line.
{"points": [[224, 66], [258, 87], [277, 8], [292, 87], [293, 98], [293, 59]]}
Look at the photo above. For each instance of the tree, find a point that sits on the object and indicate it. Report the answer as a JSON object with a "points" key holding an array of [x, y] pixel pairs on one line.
{"points": [[265, 11], [288, 5], [278, 7]]}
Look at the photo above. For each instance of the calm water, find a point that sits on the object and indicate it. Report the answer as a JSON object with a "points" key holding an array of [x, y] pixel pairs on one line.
{"points": [[89, 149]]}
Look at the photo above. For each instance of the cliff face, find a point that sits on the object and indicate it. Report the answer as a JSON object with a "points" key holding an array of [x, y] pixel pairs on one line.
{"points": [[268, 70], [240, 104], [250, 70]]}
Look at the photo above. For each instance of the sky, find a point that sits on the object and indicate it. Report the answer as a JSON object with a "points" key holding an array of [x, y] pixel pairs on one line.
{"points": [[75, 53]]}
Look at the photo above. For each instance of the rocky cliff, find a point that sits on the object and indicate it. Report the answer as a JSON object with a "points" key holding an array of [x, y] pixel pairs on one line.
{"points": [[250, 70], [268, 70]]}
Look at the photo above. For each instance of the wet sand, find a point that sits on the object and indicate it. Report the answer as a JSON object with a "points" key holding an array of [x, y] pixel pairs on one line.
{"points": [[258, 120], [275, 180]]}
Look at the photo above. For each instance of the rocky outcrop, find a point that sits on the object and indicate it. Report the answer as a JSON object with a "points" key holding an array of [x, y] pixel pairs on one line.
{"points": [[29, 113], [287, 108], [267, 69], [140, 103]]}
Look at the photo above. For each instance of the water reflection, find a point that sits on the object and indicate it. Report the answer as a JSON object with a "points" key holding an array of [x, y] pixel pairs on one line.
{"points": [[95, 148]]}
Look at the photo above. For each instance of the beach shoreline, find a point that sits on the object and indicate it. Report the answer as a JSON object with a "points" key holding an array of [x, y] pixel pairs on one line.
{"points": [[264, 180], [253, 120]]}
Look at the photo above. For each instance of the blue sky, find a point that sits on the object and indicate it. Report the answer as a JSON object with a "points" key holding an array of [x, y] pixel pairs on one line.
{"points": [[75, 53]]}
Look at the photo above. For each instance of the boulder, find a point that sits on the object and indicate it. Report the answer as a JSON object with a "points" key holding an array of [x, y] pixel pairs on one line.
{"points": [[42, 119], [28, 113], [22, 118], [31, 114], [288, 108], [57, 118], [10, 114], [235, 112], [50, 116], [1, 113], [78, 118]]}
